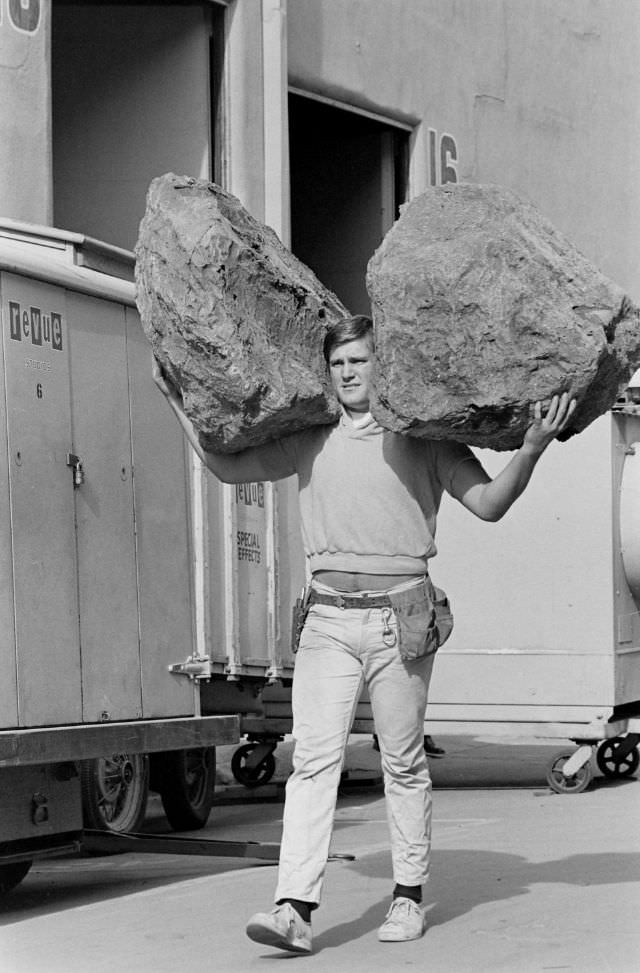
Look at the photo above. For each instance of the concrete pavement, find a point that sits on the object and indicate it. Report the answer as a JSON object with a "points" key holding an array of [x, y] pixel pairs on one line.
{"points": [[523, 880]]}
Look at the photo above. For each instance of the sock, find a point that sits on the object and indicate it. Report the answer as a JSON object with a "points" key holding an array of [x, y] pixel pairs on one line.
{"points": [[302, 908], [413, 892]]}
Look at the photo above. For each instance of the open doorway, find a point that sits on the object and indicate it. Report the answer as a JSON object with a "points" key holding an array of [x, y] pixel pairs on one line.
{"points": [[133, 97], [348, 179]]}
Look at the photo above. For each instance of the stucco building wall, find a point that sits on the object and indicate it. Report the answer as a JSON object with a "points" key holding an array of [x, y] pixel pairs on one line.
{"points": [[542, 97]]}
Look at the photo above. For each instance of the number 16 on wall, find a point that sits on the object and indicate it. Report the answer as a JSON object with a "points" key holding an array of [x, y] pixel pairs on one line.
{"points": [[443, 158]]}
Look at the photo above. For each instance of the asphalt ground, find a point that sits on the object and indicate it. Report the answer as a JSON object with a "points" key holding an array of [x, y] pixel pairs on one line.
{"points": [[523, 880]]}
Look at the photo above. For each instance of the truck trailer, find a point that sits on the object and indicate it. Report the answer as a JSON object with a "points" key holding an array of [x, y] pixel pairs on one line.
{"points": [[137, 622]]}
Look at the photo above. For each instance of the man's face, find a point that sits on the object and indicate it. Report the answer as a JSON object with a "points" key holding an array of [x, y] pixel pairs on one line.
{"points": [[351, 370]]}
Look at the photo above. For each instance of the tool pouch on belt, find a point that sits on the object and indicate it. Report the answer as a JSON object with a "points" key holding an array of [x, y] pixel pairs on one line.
{"points": [[299, 616], [424, 620]]}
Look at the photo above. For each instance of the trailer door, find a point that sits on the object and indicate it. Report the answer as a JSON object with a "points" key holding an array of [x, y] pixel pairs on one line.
{"points": [[44, 639], [107, 583]]}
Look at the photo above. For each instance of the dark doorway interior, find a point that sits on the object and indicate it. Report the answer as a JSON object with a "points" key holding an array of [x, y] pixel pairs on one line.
{"points": [[348, 179]]}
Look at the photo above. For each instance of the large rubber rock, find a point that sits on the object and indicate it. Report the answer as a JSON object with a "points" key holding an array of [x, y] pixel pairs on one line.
{"points": [[481, 308], [235, 320]]}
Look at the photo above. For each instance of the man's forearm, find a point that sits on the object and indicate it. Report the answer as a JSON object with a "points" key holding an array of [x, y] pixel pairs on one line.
{"points": [[227, 467], [490, 499], [497, 496]]}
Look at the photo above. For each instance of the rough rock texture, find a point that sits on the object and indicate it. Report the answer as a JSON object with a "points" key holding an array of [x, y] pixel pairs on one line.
{"points": [[480, 309], [235, 320]]}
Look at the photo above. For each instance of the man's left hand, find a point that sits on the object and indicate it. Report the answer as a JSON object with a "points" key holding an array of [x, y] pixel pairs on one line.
{"points": [[545, 428]]}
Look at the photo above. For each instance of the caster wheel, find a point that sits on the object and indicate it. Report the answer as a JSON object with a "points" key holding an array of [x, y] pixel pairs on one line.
{"points": [[575, 784], [250, 776], [611, 764]]}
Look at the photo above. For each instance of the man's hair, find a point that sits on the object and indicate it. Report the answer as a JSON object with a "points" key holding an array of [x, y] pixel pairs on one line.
{"points": [[347, 329]]}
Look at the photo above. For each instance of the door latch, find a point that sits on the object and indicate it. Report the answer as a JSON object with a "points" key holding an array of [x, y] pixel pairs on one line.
{"points": [[196, 667], [76, 465]]}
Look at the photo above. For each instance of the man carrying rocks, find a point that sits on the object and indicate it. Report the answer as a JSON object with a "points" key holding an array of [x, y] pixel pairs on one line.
{"points": [[368, 505]]}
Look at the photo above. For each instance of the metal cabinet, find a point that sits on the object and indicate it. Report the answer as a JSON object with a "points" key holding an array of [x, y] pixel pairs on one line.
{"points": [[94, 514]]}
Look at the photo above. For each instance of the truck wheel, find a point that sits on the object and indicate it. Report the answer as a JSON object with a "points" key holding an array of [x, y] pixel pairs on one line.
{"points": [[115, 791], [12, 874], [186, 781]]}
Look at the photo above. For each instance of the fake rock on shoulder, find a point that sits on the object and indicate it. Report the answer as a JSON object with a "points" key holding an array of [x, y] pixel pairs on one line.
{"points": [[481, 308]]}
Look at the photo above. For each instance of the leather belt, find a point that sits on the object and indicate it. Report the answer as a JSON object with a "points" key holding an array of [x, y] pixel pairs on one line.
{"points": [[350, 601]]}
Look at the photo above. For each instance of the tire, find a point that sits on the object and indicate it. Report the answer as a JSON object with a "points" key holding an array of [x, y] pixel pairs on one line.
{"points": [[115, 791], [186, 782], [12, 874], [251, 777], [575, 784], [613, 765]]}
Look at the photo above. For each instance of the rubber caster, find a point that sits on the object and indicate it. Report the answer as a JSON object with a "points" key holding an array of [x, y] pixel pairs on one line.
{"points": [[574, 784], [248, 774], [612, 764]]}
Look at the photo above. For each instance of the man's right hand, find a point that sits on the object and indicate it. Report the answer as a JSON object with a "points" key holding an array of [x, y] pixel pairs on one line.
{"points": [[166, 387]]}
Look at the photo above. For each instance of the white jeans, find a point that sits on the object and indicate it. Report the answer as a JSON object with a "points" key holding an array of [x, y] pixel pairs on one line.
{"points": [[340, 650]]}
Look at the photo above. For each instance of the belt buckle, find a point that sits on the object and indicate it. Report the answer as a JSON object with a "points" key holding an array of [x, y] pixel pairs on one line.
{"points": [[340, 602]]}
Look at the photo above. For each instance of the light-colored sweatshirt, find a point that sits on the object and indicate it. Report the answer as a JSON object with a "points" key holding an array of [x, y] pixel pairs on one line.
{"points": [[368, 498]]}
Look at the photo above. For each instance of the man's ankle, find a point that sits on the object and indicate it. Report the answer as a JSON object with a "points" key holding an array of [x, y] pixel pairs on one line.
{"points": [[413, 892], [302, 908]]}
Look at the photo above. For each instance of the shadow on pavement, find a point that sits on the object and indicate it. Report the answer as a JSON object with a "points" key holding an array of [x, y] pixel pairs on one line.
{"points": [[462, 880], [82, 881]]}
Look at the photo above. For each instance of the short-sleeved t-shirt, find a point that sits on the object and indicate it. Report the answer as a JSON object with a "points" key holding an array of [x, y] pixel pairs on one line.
{"points": [[369, 498]]}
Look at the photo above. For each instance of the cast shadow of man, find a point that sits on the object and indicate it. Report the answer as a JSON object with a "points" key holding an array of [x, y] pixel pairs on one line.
{"points": [[466, 878]]}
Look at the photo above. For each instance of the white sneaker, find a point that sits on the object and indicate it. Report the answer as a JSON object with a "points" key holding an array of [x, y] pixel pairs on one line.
{"points": [[283, 928], [405, 920]]}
